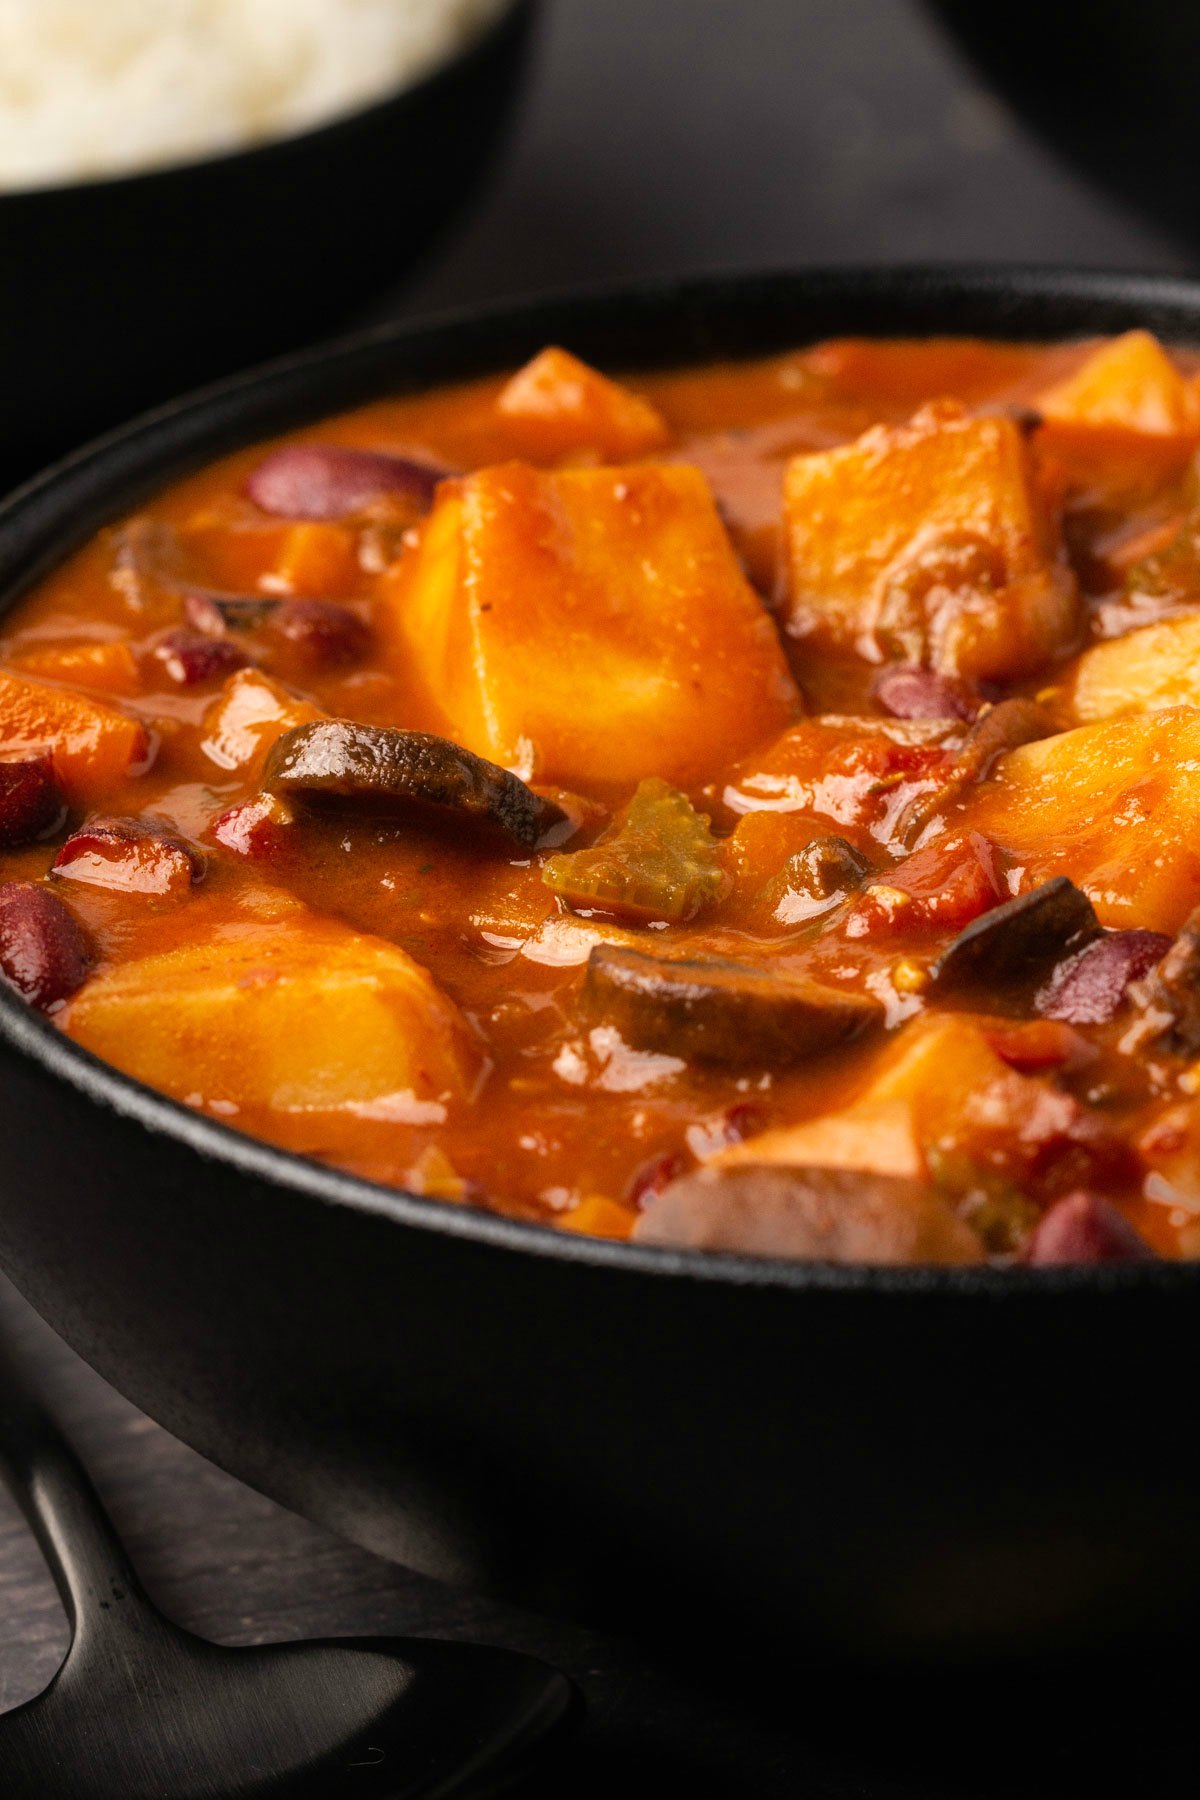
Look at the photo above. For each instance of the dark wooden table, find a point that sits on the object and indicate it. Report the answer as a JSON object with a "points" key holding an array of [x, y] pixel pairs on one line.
{"points": [[678, 135]]}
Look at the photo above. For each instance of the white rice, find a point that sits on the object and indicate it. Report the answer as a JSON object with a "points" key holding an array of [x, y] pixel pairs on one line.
{"points": [[90, 88]]}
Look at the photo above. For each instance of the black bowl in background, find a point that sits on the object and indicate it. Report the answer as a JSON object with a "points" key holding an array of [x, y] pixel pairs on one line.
{"points": [[1109, 85], [117, 293], [878, 1460]]}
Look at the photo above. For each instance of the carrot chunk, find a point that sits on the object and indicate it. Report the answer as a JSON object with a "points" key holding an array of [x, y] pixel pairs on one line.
{"points": [[557, 404], [928, 542], [90, 743]]}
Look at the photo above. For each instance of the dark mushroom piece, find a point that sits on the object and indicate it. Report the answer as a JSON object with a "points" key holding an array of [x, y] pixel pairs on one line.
{"points": [[1021, 938], [815, 880], [721, 1012], [1002, 727], [375, 768], [822, 1215]]}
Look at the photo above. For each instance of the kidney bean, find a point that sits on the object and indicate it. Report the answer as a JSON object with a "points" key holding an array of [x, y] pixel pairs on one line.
{"points": [[318, 633], [44, 954], [912, 693], [192, 657], [1085, 1228], [328, 481], [31, 801], [131, 856], [653, 1176], [1089, 987]]}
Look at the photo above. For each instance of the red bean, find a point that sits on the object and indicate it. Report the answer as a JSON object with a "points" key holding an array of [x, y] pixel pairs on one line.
{"points": [[131, 856], [44, 954], [1088, 988], [31, 801], [319, 633], [650, 1178], [192, 657], [1085, 1228], [911, 693], [327, 481]]}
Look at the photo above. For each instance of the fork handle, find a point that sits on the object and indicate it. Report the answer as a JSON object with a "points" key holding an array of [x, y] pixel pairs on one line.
{"points": [[99, 1587]]}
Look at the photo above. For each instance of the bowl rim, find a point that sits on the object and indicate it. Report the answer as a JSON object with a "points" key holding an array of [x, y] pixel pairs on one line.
{"points": [[45, 518], [319, 136]]}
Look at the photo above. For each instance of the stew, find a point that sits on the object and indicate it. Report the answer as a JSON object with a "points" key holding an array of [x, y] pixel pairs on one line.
{"points": [[752, 807]]}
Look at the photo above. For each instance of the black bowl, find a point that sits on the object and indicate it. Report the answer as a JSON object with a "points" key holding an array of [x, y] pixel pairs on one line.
{"points": [[116, 294], [884, 1460]]}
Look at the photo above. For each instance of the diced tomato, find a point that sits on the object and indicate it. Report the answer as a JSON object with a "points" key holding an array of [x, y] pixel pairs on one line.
{"points": [[939, 888], [1035, 1045]]}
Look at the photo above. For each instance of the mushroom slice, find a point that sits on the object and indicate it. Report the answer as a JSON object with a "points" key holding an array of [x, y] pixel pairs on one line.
{"points": [[1022, 937], [825, 1215], [717, 1011], [815, 880], [379, 768]]}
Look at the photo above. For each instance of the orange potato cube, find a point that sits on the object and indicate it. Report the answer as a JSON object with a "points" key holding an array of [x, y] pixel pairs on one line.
{"points": [[91, 744], [556, 405], [289, 1014], [315, 560], [938, 1089], [1129, 384], [1111, 805], [1148, 669], [247, 716], [583, 623], [928, 541], [108, 668]]}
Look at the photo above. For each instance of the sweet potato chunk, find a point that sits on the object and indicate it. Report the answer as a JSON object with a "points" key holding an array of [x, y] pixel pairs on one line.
{"points": [[291, 1014], [586, 621], [928, 542], [824, 1215], [91, 744], [1128, 383], [1154, 667], [944, 1106], [249, 714], [1114, 807], [109, 668], [557, 404]]}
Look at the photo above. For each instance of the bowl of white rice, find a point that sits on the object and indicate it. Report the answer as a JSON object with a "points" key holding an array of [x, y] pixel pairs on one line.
{"points": [[187, 186]]}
